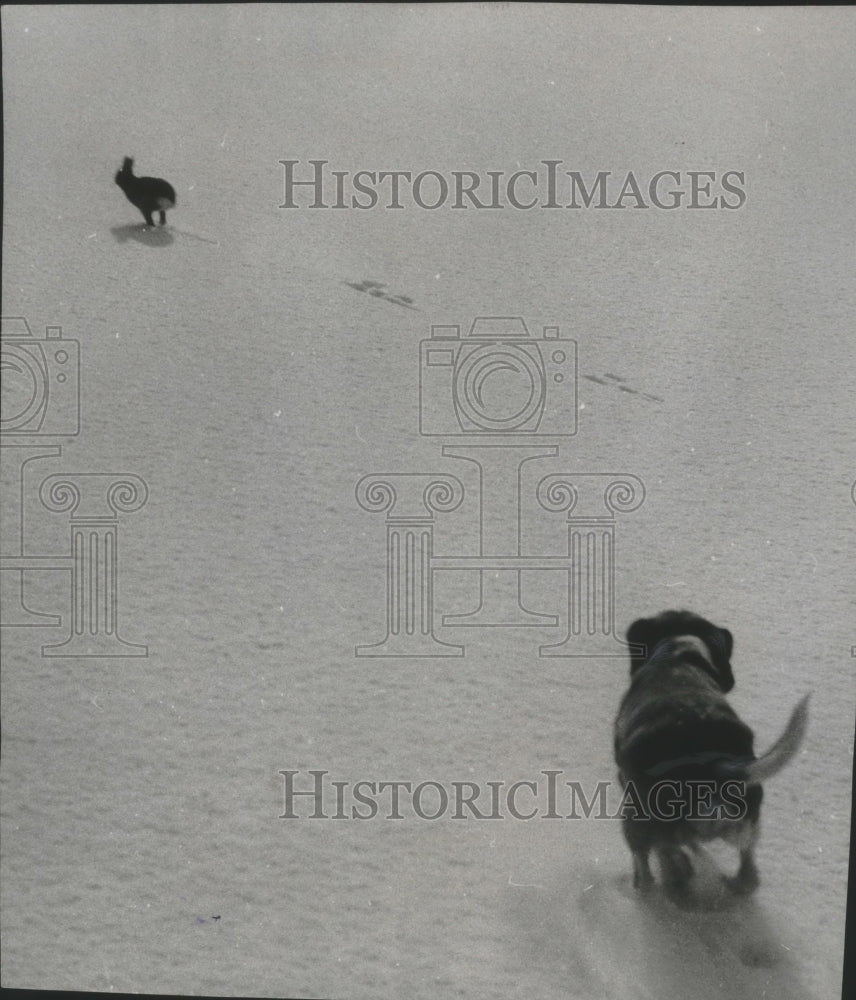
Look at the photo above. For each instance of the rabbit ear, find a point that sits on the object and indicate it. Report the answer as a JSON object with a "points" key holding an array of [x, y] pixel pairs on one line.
{"points": [[128, 163]]}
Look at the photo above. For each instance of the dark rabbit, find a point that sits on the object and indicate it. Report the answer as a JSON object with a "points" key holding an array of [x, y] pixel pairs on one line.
{"points": [[149, 194]]}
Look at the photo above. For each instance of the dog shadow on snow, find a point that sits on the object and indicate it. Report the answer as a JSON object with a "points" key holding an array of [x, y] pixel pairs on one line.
{"points": [[595, 936]]}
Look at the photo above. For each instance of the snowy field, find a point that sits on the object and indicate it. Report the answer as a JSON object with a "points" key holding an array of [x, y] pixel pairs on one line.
{"points": [[237, 362]]}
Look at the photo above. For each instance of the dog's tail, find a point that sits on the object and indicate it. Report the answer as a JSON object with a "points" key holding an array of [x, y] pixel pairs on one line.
{"points": [[783, 749]]}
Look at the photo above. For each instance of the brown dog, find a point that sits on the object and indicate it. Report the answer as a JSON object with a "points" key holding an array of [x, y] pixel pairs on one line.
{"points": [[685, 760]]}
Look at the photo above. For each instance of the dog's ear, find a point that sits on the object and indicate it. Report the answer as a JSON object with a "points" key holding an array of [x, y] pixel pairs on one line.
{"points": [[720, 642], [642, 636]]}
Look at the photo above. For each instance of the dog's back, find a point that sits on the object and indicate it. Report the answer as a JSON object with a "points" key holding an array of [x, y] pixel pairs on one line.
{"points": [[675, 721]]}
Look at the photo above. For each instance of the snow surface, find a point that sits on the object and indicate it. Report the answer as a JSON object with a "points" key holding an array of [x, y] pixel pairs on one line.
{"points": [[229, 361]]}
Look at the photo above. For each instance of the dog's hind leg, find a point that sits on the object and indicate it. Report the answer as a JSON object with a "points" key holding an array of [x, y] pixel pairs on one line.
{"points": [[637, 837], [747, 879], [677, 870], [643, 879]]}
